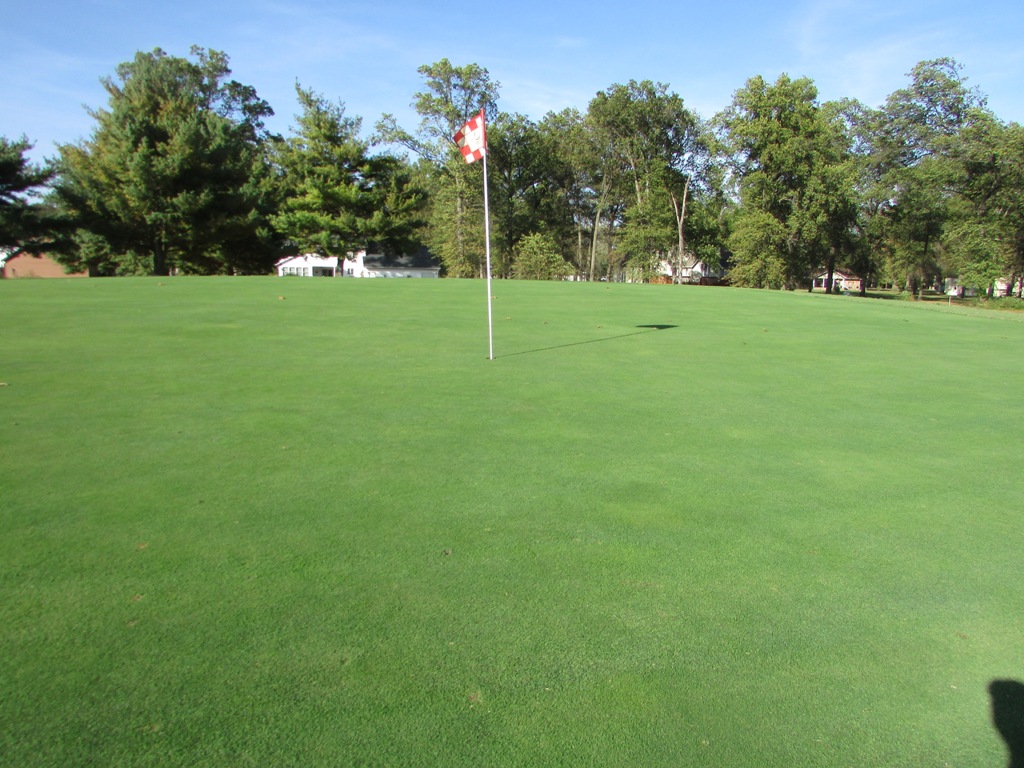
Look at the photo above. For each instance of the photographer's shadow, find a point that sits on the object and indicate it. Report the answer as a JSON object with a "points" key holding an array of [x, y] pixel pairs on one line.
{"points": [[1008, 717]]}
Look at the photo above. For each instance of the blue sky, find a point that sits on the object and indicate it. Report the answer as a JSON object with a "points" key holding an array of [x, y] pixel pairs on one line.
{"points": [[547, 55]]}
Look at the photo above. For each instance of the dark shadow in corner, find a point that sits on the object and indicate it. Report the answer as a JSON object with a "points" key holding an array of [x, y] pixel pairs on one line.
{"points": [[646, 329], [1008, 717]]}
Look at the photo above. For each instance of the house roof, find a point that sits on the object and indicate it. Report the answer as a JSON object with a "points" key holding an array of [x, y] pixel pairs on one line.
{"points": [[420, 259], [309, 259], [838, 274]]}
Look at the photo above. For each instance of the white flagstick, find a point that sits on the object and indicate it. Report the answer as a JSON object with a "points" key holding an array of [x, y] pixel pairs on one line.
{"points": [[487, 250], [471, 140]]}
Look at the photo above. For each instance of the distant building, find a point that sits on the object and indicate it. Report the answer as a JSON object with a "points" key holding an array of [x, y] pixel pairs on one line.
{"points": [[308, 265], [359, 264], [693, 270], [1002, 287], [842, 281], [26, 265]]}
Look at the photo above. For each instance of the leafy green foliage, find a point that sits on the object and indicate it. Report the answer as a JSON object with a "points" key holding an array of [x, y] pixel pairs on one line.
{"points": [[526, 176], [657, 151], [452, 95], [456, 231], [759, 241], [791, 160], [985, 232], [322, 205], [336, 196], [25, 224], [538, 258], [909, 138], [180, 175], [578, 184], [173, 176]]}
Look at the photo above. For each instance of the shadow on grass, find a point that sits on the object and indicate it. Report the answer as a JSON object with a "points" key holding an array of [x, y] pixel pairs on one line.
{"points": [[1008, 717], [645, 329]]}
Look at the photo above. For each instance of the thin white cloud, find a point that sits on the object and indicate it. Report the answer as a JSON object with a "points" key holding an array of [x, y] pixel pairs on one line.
{"points": [[864, 50], [816, 25], [535, 98], [570, 43]]}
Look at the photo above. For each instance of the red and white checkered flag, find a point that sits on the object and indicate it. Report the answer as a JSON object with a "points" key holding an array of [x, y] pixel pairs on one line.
{"points": [[472, 138]]}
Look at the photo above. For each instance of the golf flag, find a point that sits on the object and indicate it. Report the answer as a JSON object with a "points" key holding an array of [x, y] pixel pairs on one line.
{"points": [[472, 142], [472, 138]]}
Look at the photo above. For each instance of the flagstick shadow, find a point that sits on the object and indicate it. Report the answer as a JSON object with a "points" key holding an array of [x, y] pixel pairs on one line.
{"points": [[647, 329]]}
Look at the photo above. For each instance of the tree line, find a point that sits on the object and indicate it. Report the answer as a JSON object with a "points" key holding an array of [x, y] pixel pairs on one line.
{"points": [[180, 175]]}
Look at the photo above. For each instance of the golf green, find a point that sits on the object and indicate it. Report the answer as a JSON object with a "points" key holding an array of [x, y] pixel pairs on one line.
{"points": [[276, 521]]}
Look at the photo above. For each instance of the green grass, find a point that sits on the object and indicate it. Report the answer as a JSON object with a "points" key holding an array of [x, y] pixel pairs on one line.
{"points": [[307, 522]]}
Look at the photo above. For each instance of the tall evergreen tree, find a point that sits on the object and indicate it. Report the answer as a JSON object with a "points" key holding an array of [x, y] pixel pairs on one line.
{"points": [[324, 206], [25, 223], [336, 196], [173, 175]]}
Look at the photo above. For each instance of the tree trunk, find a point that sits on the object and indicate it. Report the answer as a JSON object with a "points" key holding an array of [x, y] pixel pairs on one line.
{"points": [[637, 185], [593, 238], [918, 284], [913, 286], [579, 251], [830, 270], [159, 257], [680, 211]]}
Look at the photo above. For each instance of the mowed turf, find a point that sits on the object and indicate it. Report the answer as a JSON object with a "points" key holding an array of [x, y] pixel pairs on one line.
{"points": [[285, 522]]}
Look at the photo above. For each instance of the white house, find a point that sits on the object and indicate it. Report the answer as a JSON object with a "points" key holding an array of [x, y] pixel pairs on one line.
{"points": [[844, 281], [951, 286], [359, 264], [693, 270], [308, 265]]}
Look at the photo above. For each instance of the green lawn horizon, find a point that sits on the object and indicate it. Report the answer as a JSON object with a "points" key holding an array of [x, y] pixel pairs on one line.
{"points": [[273, 521]]}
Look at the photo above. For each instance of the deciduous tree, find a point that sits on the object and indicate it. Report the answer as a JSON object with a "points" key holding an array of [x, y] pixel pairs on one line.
{"points": [[539, 258], [527, 189], [656, 143], [909, 137], [985, 228], [452, 95], [791, 162]]}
